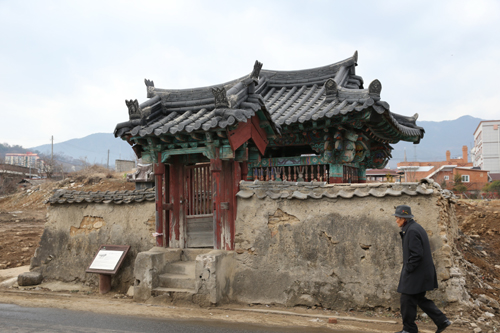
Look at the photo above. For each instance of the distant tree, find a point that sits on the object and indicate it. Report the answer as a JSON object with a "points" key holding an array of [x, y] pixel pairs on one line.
{"points": [[493, 187], [459, 186], [49, 165], [7, 185]]}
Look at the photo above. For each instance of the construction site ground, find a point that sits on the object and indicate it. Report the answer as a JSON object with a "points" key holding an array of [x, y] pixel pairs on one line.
{"points": [[22, 218]]}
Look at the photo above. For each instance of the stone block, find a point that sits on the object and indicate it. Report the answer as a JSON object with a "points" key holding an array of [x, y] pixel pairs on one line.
{"points": [[29, 279]]}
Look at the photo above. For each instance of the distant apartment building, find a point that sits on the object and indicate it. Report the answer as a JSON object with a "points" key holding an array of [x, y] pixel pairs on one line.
{"points": [[486, 151], [445, 172], [28, 160]]}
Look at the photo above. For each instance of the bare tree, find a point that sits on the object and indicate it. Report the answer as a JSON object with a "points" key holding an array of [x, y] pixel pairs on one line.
{"points": [[49, 165]]}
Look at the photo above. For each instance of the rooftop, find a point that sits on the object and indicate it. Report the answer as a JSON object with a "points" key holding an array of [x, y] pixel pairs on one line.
{"points": [[283, 97]]}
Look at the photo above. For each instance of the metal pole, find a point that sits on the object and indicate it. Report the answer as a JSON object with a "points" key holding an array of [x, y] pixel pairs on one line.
{"points": [[498, 132], [52, 154]]}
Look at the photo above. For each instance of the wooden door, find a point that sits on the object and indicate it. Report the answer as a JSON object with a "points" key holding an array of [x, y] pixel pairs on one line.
{"points": [[199, 206]]}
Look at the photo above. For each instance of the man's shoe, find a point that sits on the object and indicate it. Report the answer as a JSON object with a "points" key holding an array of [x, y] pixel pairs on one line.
{"points": [[443, 326], [403, 331]]}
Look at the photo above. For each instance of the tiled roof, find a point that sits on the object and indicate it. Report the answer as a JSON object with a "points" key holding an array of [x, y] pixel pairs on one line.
{"points": [[177, 111], [116, 197], [318, 190], [285, 97]]}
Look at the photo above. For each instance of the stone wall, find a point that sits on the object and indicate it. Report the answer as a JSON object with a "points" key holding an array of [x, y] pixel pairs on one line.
{"points": [[74, 232], [336, 246]]}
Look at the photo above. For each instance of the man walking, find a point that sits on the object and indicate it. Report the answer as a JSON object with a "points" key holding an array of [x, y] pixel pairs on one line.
{"points": [[418, 274]]}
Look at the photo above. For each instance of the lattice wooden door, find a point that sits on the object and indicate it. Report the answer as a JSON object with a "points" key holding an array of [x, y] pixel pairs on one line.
{"points": [[199, 206]]}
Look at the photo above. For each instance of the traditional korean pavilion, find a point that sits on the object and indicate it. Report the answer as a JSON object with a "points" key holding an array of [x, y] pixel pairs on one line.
{"points": [[314, 125]]}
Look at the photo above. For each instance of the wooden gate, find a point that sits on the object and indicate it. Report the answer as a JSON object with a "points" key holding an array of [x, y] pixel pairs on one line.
{"points": [[199, 206]]}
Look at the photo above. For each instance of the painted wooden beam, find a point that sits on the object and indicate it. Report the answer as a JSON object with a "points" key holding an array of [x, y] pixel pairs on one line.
{"points": [[240, 135], [196, 136]]}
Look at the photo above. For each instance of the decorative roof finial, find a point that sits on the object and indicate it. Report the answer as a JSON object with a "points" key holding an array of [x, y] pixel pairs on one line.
{"points": [[221, 100], [150, 86], [331, 89], [256, 70], [375, 87], [134, 112], [355, 58]]}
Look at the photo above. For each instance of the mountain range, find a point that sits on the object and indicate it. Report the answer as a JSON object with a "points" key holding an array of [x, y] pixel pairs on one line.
{"points": [[439, 137], [92, 149]]}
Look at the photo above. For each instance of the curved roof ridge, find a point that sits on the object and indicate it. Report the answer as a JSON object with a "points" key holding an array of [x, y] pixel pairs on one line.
{"points": [[299, 74], [187, 90]]}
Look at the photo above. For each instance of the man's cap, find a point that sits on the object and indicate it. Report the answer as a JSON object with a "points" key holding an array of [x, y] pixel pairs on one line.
{"points": [[403, 211]]}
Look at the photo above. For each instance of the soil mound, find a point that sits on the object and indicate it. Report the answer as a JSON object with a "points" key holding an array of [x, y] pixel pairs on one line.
{"points": [[23, 214]]}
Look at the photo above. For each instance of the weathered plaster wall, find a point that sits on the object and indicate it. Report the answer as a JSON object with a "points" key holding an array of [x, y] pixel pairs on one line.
{"points": [[214, 273], [335, 252], [74, 232]]}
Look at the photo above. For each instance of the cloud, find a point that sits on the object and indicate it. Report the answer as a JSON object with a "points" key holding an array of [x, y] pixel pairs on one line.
{"points": [[67, 67]]}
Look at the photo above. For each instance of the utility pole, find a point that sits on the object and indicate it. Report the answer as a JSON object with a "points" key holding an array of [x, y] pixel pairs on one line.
{"points": [[108, 160]]}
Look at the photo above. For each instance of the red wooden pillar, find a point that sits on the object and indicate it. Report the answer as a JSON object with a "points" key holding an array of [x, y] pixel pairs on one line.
{"points": [[244, 171], [176, 188], [167, 206], [237, 175], [159, 170], [216, 168]]}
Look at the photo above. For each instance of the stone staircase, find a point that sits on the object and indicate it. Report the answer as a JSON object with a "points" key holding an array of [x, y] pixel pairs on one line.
{"points": [[179, 276]]}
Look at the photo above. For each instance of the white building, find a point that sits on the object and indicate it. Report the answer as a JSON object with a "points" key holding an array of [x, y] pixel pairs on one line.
{"points": [[29, 160], [486, 151]]}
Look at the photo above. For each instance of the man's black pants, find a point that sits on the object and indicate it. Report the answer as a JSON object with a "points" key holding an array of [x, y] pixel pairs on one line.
{"points": [[409, 311]]}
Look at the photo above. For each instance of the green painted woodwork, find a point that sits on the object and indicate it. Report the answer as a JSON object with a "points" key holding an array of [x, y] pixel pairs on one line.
{"points": [[336, 171], [226, 152]]}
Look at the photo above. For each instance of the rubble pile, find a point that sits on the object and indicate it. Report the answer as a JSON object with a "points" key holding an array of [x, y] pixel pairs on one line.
{"points": [[23, 214], [478, 244], [92, 179]]}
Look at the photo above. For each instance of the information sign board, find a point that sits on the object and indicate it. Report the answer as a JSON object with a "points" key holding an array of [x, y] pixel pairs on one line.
{"points": [[108, 259]]}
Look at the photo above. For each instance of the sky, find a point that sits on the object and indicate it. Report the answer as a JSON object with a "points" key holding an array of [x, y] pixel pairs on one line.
{"points": [[67, 67]]}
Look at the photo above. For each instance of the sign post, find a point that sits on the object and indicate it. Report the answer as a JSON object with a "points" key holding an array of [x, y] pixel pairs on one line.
{"points": [[106, 262]]}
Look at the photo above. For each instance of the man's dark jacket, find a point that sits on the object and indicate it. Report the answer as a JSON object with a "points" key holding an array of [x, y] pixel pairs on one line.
{"points": [[418, 273]]}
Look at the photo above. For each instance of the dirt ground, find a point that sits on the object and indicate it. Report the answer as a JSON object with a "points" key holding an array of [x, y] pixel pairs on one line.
{"points": [[20, 233], [23, 214], [479, 221], [22, 218]]}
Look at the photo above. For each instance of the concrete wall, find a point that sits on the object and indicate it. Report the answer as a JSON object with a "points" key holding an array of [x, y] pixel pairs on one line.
{"points": [[74, 232], [124, 165], [336, 252]]}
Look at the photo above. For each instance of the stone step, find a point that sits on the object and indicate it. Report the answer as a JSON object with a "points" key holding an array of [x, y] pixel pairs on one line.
{"points": [[181, 267], [190, 254], [170, 291], [181, 281]]}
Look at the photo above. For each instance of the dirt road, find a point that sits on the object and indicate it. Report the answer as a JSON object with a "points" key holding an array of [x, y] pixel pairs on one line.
{"points": [[380, 322]]}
